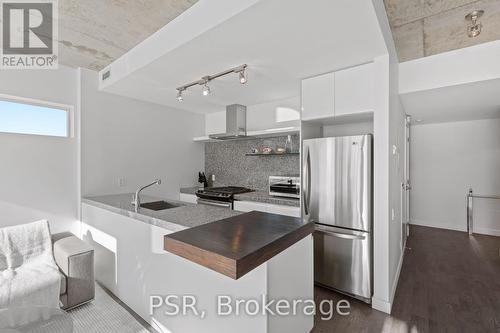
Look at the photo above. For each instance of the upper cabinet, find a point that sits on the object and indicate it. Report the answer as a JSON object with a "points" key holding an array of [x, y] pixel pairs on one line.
{"points": [[340, 93], [318, 97], [354, 90]]}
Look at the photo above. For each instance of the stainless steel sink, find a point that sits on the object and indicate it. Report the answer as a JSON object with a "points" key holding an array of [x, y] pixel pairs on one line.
{"points": [[159, 205]]}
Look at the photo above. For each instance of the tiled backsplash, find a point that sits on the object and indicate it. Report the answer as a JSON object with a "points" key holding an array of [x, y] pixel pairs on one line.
{"points": [[228, 162]]}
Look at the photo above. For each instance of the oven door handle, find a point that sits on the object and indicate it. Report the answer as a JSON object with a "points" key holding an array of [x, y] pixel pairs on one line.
{"points": [[213, 203]]}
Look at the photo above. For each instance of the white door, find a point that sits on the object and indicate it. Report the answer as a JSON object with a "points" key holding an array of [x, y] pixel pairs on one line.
{"points": [[407, 185]]}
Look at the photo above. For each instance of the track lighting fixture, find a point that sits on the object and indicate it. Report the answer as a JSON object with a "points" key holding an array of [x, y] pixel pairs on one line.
{"points": [[240, 70]]}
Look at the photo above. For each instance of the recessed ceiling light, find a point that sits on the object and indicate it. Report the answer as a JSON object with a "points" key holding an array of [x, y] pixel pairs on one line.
{"points": [[474, 29]]}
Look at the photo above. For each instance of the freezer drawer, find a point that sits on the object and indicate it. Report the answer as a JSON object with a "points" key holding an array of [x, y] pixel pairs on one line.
{"points": [[343, 260]]}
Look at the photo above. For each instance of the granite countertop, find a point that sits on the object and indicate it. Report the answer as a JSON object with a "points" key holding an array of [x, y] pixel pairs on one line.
{"points": [[175, 219], [256, 196]]}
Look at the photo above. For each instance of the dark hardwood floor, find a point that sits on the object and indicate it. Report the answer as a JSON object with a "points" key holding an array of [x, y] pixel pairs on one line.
{"points": [[449, 282]]}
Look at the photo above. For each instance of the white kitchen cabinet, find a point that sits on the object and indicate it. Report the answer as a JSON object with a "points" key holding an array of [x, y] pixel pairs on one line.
{"points": [[248, 206], [354, 90], [318, 97], [189, 198]]}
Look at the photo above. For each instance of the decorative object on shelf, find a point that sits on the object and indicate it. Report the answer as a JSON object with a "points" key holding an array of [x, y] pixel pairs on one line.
{"points": [[202, 179], [288, 144], [254, 151], [205, 80], [280, 150], [267, 150], [272, 154]]}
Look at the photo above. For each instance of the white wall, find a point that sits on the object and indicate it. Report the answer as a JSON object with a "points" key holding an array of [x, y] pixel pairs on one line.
{"points": [[388, 127], [447, 159], [348, 129], [136, 141], [39, 174], [274, 114]]}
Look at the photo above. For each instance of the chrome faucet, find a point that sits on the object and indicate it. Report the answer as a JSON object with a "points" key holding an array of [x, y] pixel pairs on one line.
{"points": [[136, 199]]}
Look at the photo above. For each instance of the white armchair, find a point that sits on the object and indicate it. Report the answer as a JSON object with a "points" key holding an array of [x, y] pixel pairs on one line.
{"points": [[29, 275]]}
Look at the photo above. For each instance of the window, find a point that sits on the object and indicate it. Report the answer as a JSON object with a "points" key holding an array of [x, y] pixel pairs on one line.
{"points": [[23, 116]]}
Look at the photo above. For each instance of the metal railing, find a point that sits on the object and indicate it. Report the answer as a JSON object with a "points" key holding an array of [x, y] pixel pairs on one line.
{"points": [[468, 202]]}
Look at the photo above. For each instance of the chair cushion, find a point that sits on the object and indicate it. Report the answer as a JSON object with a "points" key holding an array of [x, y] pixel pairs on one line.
{"points": [[29, 285]]}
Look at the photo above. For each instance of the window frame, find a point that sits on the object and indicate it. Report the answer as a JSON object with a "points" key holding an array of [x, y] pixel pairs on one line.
{"points": [[69, 109]]}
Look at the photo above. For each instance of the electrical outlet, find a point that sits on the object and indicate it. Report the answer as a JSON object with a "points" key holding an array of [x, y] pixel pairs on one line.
{"points": [[392, 214], [121, 182], [213, 178]]}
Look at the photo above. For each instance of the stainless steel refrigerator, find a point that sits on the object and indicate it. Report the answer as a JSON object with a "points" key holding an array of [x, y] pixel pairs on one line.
{"points": [[337, 197]]}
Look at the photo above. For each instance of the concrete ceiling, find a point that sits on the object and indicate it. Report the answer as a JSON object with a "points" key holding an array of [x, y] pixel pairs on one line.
{"points": [[282, 42], [422, 28], [93, 33]]}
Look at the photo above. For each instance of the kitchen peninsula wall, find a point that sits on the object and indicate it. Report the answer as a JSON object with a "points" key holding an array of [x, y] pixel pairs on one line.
{"points": [[228, 162]]}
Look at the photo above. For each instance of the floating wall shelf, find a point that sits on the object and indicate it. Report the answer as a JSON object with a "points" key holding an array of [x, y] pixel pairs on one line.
{"points": [[271, 154]]}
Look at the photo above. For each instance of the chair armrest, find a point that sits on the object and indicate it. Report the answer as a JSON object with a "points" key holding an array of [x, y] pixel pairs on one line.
{"points": [[75, 258]]}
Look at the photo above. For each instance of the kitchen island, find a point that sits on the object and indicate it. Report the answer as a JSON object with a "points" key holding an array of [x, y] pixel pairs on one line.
{"points": [[215, 252]]}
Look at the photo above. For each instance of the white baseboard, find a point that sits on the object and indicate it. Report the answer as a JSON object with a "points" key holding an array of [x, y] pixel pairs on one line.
{"points": [[381, 305], [487, 231], [385, 306], [437, 225], [482, 231], [396, 277]]}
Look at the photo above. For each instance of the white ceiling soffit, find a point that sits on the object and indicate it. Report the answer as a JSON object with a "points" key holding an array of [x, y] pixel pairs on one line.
{"points": [[282, 41], [478, 100], [453, 86]]}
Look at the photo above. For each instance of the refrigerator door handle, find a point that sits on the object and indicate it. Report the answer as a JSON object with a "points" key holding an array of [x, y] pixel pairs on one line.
{"points": [[307, 184], [339, 234]]}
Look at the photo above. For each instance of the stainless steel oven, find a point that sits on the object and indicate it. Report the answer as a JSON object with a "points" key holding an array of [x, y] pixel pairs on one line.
{"points": [[284, 186], [217, 203], [220, 196]]}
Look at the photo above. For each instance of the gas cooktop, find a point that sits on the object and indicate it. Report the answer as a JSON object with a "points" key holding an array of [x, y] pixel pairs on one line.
{"points": [[221, 193]]}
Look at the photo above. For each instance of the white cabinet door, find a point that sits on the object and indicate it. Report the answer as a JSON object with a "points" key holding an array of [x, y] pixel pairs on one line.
{"points": [[318, 97], [354, 90], [190, 198], [248, 206]]}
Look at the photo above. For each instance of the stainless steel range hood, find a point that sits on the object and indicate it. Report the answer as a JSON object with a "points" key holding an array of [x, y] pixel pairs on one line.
{"points": [[236, 123]]}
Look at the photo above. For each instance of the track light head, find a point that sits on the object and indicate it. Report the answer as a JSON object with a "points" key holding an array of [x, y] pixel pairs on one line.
{"points": [[475, 27], [243, 77], [179, 95], [206, 90]]}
